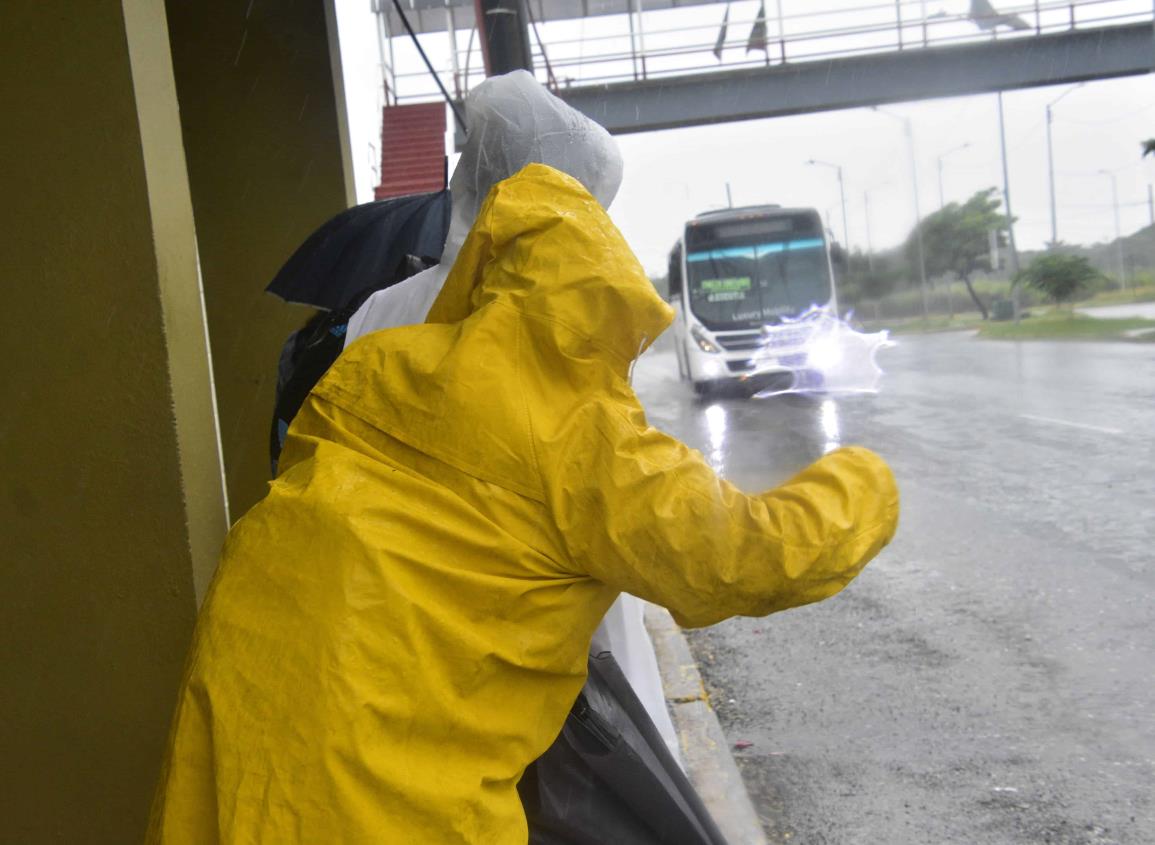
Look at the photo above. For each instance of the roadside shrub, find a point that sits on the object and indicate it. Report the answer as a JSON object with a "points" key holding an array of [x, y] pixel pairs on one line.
{"points": [[1060, 278]]}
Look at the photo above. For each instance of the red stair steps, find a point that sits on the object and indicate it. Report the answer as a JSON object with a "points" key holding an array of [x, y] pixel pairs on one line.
{"points": [[412, 150]]}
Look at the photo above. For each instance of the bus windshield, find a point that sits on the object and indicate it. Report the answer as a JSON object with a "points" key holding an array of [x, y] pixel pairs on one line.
{"points": [[749, 273]]}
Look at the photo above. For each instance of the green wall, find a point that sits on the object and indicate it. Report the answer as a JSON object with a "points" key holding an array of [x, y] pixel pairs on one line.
{"points": [[263, 138], [111, 502], [160, 161]]}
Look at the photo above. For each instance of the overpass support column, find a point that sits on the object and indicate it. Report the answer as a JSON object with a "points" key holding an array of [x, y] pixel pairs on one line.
{"points": [[111, 494], [112, 488], [268, 161]]}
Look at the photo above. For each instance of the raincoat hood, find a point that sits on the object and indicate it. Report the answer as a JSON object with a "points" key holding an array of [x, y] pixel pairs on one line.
{"points": [[567, 267]]}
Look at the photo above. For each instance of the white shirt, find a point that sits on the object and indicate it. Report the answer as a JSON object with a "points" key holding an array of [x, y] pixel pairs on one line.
{"points": [[403, 304]]}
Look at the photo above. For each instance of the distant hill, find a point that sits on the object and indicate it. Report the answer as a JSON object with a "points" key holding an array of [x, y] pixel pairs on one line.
{"points": [[1138, 252]]}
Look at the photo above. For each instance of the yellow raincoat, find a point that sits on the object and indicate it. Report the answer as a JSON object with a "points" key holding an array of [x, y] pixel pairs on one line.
{"points": [[400, 627]]}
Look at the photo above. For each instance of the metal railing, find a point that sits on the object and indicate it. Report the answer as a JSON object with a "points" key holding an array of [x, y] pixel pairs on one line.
{"points": [[793, 31]]}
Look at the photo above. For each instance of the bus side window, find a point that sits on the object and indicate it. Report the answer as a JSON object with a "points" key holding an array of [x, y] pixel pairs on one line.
{"points": [[675, 273]]}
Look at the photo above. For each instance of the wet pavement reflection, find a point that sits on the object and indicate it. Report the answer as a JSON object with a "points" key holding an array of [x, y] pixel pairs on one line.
{"points": [[753, 442], [829, 417], [716, 431], [993, 670]]}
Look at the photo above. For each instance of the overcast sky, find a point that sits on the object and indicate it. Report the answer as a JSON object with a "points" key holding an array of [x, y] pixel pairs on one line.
{"points": [[672, 175]]}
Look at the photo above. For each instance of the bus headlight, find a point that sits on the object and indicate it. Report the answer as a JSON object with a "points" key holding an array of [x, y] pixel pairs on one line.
{"points": [[704, 343]]}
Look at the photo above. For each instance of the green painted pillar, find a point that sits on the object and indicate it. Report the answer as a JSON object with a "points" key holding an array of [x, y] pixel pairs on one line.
{"points": [[268, 163], [112, 506]]}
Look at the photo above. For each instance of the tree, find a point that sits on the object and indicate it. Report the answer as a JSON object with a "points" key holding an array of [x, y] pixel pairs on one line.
{"points": [[956, 239], [1148, 147], [872, 283], [1059, 277]]}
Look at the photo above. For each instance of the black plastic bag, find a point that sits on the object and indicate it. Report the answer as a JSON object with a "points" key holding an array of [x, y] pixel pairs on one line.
{"points": [[609, 777]]}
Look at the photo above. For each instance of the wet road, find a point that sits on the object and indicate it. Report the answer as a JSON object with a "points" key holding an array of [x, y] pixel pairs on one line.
{"points": [[991, 677]]}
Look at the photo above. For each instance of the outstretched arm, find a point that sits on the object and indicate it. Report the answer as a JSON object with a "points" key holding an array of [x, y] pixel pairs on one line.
{"points": [[644, 513]]}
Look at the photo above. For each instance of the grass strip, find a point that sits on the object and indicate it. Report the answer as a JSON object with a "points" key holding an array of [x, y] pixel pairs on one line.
{"points": [[1063, 325]]}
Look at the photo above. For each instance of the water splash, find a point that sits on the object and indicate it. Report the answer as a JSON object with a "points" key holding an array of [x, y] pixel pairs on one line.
{"points": [[818, 352]]}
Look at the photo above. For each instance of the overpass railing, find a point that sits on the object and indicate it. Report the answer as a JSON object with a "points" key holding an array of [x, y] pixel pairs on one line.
{"points": [[662, 44]]}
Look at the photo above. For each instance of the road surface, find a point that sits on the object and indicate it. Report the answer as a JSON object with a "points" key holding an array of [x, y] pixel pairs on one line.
{"points": [[991, 677]]}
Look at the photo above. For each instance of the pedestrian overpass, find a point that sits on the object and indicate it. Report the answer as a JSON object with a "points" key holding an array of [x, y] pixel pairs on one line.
{"points": [[639, 65]]}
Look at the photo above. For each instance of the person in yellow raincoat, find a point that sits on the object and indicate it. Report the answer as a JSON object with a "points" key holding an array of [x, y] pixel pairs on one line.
{"points": [[400, 627]]}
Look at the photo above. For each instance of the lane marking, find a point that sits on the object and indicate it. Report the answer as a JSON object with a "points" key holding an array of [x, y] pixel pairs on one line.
{"points": [[1053, 421]]}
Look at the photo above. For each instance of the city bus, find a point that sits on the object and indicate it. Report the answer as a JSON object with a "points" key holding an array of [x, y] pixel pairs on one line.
{"points": [[745, 284]]}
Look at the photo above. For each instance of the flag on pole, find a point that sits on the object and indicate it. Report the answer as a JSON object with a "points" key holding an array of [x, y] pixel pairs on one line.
{"points": [[757, 39], [722, 34]]}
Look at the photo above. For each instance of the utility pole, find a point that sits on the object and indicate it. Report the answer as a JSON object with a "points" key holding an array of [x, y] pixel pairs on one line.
{"points": [[1010, 213], [1151, 210], [1051, 165], [941, 194], [917, 220], [504, 29], [842, 194], [908, 130], [1118, 230], [869, 243]]}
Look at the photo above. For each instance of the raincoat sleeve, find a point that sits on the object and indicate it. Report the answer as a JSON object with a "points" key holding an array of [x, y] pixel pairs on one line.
{"points": [[643, 513]]}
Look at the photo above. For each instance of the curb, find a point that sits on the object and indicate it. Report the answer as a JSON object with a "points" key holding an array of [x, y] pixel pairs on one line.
{"points": [[709, 764]]}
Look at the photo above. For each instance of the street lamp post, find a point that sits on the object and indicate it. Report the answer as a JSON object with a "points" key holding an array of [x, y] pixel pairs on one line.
{"points": [[842, 194], [866, 219], [908, 130], [1051, 166], [941, 205], [1118, 231], [941, 194], [1010, 213]]}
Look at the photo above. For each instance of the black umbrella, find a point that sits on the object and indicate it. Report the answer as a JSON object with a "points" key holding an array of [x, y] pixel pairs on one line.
{"points": [[358, 251]]}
